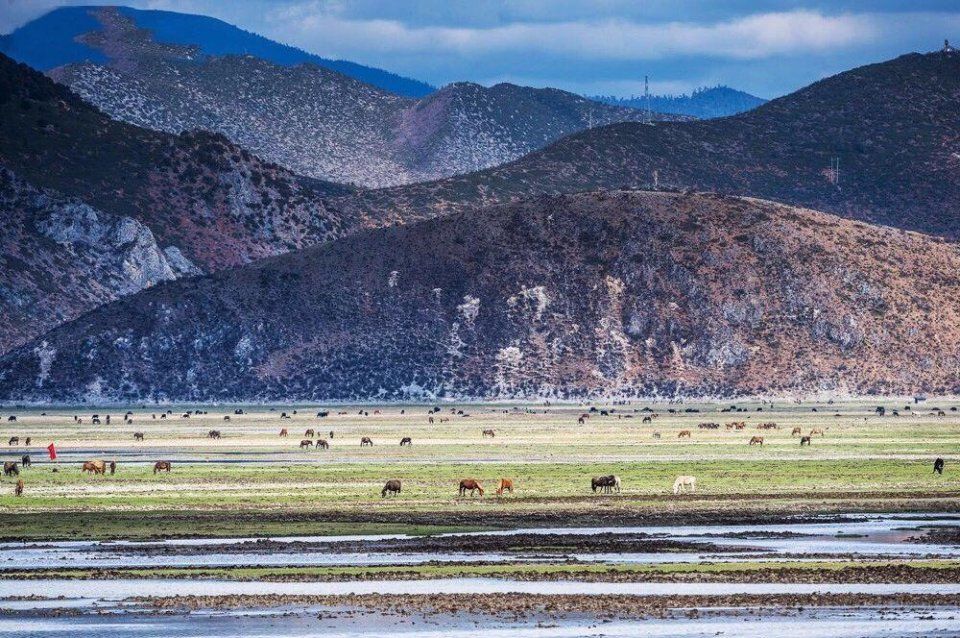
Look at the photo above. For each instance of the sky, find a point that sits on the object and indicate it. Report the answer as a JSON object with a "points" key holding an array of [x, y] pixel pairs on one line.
{"points": [[598, 47]]}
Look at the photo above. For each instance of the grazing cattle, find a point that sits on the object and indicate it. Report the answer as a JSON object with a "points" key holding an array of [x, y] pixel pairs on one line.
{"points": [[161, 466], [684, 482], [138, 436], [605, 484], [18, 490], [804, 440], [489, 433], [94, 467], [406, 441], [938, 466], [11, 418], [323, 414], [309, 433], [283, 433], [305, 443], [795, 431], [213, 434], [14, 440], [684, 433], [816, 431], [322, 443], [758, 440], [25, 461], [506, 485], [10, 468], [28, 441], [391, 487], [366, 440], [471, 485]]}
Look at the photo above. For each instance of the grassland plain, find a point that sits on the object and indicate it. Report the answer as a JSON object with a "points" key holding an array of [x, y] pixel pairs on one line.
{"points": [[253, 482]]}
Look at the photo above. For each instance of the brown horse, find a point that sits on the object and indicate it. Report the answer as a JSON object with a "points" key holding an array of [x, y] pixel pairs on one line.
{"points": [[18, 490], [305, 443], [796, 431], [322, 443], [366, 440], [684, 433], [10, 468], [489, 433], [161, 466], [213, 434], [309, 433], [28, 441], [113, 467], [471, 485], [392, 487], [756, 440], [14, 440], [138, 436], [816, 431], [283, 433], [804, 440], [506, 485], [94, 467], [406, 441]]}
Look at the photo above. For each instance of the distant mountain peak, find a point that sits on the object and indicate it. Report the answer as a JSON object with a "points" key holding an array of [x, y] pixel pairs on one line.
{"points": [[703, 103]]}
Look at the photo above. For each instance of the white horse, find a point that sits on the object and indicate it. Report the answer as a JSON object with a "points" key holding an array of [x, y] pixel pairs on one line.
{"points": [[616, 483], [685, 481]]}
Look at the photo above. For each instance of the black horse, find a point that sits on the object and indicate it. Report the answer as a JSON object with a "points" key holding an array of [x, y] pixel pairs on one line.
{"points": [[938, 466]]}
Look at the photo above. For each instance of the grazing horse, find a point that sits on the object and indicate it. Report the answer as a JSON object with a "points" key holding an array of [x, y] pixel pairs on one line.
{"points": [[283, 433], [309, 433], [14, 440], [27, 441], [213, 434], [94, 467], [757, 440], [366, 440], [11, 418], [816, 431], [305, 443], [683, 482], [391, 487], [604, 483], [505, 485], [684, 433], [406, 441], [25, 460], [795, 431], [938, 466], [647, 419], [489, 433], [656, 435], [804, 440], [138, 436], [10, 468], [470, 484], [581, 421], [161, 466], [430, 419], [322, 443], [18, 490]]}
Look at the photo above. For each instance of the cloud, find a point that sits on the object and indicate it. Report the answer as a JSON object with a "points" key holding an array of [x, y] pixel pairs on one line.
{"points": [[751, 37]]}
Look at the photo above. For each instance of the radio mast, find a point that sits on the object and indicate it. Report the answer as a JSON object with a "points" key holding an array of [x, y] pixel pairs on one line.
{"points": [[647, 113]]}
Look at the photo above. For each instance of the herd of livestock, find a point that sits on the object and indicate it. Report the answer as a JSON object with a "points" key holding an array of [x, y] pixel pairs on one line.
{"points": [[602, 484]]}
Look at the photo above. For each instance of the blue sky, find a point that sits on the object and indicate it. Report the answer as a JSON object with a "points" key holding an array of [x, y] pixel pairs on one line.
{"points": [[767, 47]]}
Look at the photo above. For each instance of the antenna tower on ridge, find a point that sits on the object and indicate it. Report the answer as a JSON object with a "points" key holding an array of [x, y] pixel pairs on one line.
{"points": [[647, 114]]}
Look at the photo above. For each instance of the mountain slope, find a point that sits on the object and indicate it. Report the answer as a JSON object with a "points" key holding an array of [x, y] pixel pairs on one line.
{"points": [[52, 40], [894, 127], [61, 257], [218, 203], [627, 293], [704, 103], [315, 121]]}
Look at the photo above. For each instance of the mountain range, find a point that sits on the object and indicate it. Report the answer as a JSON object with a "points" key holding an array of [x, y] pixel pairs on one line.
{"points": [[704, 103], [309, 117], [575, 296]]}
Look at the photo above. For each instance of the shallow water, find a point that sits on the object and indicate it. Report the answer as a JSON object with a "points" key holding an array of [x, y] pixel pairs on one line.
{"points": [[822, 624], [873, 536]]}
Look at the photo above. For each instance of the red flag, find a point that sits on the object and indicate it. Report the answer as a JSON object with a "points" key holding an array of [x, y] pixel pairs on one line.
{"points": [[52, 450]]}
